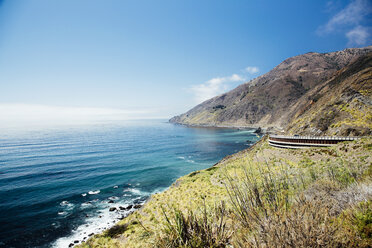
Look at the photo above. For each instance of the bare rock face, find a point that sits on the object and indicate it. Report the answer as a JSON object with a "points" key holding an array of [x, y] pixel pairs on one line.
{"points": [[275, 98]]}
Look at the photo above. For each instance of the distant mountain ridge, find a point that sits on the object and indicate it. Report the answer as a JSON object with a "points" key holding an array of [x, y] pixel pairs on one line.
{"points": [[284, 97]]}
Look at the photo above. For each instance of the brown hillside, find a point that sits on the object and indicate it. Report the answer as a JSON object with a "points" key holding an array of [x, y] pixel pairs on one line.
{"points": [[266, 100], [339, 106]]}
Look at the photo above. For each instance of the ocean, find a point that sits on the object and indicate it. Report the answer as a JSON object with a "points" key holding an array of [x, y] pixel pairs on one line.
{"points": [[57, 184]]}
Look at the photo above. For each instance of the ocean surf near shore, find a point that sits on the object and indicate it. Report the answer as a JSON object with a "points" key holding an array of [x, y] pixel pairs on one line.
{"points": [[60, 184]]}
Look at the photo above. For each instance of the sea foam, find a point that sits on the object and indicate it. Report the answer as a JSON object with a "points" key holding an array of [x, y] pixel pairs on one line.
{"points": [[101, 221], [94, 192]]}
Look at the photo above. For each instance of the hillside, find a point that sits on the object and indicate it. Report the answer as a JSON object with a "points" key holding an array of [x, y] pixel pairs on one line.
{"points": [[260, 197], [284, 94], [339, 106], [265, 196]]}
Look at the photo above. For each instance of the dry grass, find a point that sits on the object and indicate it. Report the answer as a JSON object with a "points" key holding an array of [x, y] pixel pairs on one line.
{"points": [[193, 230], [306, 224], [266, 214], [357, 226]]}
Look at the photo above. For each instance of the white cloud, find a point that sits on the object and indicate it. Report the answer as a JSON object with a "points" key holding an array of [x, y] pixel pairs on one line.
{"points": [[252, 69], [352, 14], [330, 6], [349, 20], [359, 36], [219, 85], [25, 114], [214, 87]]}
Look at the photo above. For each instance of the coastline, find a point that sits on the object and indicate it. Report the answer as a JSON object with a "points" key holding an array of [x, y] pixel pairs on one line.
{"points": [[96, 225], [174, 185], [216, 126], [141, 228], [263, 128]]}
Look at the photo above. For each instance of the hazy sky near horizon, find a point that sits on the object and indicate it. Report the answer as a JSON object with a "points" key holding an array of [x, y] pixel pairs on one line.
{"points": [[159, 58]]}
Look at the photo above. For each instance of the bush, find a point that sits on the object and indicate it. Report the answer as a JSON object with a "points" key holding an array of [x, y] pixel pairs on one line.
{"points": [[357, 226], [268, 216], [192, 230], [115, 231], [305, 224]]}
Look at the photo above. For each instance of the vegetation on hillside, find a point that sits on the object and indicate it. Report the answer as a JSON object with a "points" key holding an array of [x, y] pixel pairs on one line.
{"points": [[340, 106], [261, 197]]}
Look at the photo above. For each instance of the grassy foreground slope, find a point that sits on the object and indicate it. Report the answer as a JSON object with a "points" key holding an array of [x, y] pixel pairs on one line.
{"points": [[260, 197]]}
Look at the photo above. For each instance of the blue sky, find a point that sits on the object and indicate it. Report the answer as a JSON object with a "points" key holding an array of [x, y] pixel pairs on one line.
{"points": [[156, 58]]}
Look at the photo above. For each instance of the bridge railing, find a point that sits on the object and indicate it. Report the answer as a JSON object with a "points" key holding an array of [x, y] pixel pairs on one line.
{"points": [[314, 137]]}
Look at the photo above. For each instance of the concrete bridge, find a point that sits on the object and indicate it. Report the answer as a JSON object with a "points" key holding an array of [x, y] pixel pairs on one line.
{"points": [[296, 142]]}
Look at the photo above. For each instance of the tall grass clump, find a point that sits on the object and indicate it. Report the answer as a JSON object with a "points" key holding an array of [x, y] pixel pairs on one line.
{"points": [[357, 226], [268, 215], [259, 192], [195, 230]]}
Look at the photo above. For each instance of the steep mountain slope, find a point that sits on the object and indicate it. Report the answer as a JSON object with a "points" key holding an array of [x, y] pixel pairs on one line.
{"points": [[266, 100], [339, 106]]}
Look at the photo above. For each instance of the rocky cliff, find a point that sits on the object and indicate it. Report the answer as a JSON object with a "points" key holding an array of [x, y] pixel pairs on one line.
{"points": [[294, 97]]}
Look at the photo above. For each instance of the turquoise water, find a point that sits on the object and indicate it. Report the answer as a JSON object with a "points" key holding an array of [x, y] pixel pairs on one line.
{"points": [[57, 184]]}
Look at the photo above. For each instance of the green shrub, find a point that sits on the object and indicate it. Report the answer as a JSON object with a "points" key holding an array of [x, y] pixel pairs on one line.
{"points": [[115, 231], [357, 226]]}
